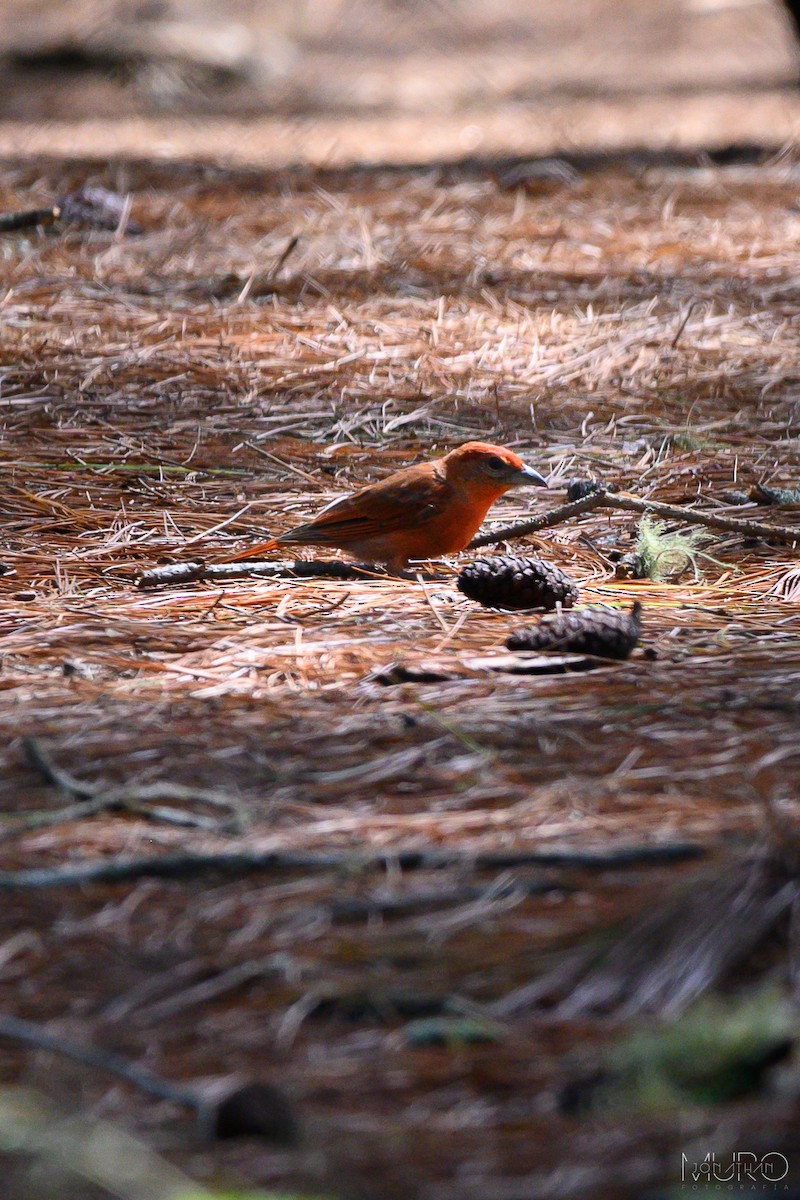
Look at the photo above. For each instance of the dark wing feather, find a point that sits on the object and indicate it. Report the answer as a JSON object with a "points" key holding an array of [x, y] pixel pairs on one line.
{"points": [[402, 501]]}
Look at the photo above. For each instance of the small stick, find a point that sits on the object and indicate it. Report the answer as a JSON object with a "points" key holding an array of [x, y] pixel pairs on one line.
{"points": [[31, 1034], [191, 572], [255, 1109], [91, 799], [287, 251], [186, 572], [675, 512], [513, 664], [43, 818], [257, 284], [205, 990], [398, 906], [687, 317], [113, 802], [238, 863], [553, 516], [11, 222], [41, 761]]}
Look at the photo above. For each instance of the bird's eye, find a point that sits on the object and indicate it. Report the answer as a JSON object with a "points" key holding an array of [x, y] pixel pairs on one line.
{"points": [[495, 463]]}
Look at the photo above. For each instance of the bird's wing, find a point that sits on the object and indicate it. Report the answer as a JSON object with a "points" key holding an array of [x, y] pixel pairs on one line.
{"points": [[403, 501]]}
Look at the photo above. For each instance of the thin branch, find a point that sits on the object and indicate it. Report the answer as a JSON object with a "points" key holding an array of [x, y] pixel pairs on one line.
{"points": [[257, 284], [42, 818], [41, 761], [285, 254], [359, 908], [191, 572], [243, 862], [687, 317], [441, 671], [553, 516], [91, 799], [31, 1034], [11, 222], [205, 990], [254, 1109], [674, 512]]}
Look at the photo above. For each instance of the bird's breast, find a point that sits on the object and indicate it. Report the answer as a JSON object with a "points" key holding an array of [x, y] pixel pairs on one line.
{"points": [[456, 523]]}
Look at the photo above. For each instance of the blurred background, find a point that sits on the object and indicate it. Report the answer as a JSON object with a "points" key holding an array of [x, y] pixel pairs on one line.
{"points": [[663, 70]]}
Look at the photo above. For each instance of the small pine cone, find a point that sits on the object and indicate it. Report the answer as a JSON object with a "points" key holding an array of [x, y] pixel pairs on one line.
{"points": [[630, 566], [786, 497], [578, 488], [515, 581], [735, 497], [602, 631]]}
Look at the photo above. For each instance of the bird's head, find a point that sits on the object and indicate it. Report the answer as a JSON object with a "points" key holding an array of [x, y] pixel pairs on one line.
{"points": [[488, 467]]}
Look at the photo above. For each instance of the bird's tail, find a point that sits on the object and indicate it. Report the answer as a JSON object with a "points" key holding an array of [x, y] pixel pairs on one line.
{"points": [[254, 551]]}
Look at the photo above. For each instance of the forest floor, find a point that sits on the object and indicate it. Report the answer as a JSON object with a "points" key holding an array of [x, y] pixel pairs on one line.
{"points": [[168, 396], [182, 390]]}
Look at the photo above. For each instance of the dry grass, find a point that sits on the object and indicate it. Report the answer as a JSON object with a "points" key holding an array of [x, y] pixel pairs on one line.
{"points": [[168, 395]]}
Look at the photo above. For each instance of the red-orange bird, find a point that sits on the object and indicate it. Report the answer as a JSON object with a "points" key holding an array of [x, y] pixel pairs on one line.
{"points": [[420, 512]]}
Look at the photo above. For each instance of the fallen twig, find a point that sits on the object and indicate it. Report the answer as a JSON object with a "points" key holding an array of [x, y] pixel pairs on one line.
{"points": [[243, 862], [553, 516], [191, 572], [256, 285], [41, 761], [285, 254], [444, 670], [207, 989], [91, 799], [89, 208], [607, 499], [257, 1108], [31, 1034], [675, 512], [359, 908], [11, 222]]}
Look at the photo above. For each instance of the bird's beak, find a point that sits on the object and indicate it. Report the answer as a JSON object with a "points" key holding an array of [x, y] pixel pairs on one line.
{"points": [[528, 475]]}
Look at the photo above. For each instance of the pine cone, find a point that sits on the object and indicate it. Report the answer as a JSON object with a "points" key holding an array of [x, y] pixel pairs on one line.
{"points": [[630, 566], [735, 497], [515, 581], [578, 488], [787, 497], [602, 631]]}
